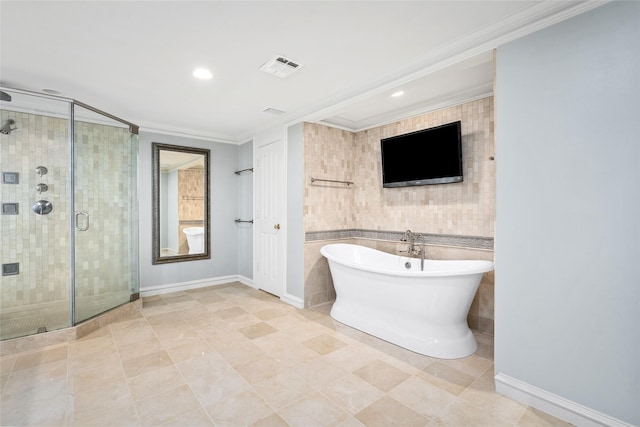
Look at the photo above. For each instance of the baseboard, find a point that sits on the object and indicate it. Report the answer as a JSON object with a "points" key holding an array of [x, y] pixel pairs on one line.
{"points": [[246, 281], [292, 300], [193, 284], [555, 405]]}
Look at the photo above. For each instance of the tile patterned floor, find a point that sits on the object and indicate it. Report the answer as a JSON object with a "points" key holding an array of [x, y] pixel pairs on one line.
{"points": [[234, 356]]}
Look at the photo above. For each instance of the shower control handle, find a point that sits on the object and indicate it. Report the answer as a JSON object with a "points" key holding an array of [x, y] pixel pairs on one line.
{"points": [[86, 226], [42, 207]]}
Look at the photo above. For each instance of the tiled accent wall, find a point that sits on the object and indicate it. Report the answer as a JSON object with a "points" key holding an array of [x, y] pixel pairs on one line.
{"points": [[191, 194], [452, 217], [328, 154], [40, 243], [190, 204]]}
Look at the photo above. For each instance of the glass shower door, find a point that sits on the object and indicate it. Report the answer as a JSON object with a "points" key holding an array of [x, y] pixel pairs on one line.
{"points": [[34, 225], [105, 214]]}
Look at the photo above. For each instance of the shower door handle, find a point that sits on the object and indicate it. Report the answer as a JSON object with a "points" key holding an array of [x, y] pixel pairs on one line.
{"points": [[86, 226]]}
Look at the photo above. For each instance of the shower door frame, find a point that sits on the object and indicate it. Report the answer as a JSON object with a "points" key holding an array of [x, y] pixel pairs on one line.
{"points": [[73, 226]]}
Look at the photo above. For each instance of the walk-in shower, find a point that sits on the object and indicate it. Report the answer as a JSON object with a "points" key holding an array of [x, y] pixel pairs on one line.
{"points": [[69, 223]]}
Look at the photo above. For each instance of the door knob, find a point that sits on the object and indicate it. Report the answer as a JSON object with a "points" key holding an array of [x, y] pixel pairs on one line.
{"points": [[277, 226]]}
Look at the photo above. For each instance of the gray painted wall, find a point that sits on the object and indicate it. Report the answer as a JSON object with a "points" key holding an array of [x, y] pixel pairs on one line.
{"points": [[245, 210], [224, 206], [568, 209], [295, 211]]}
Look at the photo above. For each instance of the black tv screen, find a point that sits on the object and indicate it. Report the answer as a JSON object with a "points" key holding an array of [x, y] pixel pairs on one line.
{"points": [[429, 156]]}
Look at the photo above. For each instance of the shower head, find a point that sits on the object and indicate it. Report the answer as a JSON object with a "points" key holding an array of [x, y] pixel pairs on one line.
{"points": [[4, 96], [7, 127]]}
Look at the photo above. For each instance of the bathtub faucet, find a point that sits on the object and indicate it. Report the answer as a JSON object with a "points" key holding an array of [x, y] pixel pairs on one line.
{"points": [[415, 249]]}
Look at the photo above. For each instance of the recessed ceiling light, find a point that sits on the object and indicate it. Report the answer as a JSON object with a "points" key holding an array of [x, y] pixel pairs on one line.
{"points": [[202, 73], [51, 91], [398, 93]]}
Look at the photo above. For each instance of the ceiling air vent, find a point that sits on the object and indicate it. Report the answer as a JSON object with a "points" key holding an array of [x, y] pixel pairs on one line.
{"points": [[280, 66], [274, 111]]}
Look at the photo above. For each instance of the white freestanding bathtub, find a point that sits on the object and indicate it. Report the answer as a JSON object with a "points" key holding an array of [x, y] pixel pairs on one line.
{"points": [[195, 239], [423, 311]]}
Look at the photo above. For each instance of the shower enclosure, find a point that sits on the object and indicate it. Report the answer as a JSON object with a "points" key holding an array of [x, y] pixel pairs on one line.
{"points": [[69, 223]]}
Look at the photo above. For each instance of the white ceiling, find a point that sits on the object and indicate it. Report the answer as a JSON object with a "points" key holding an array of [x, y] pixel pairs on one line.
{"points": [[134, 59]]}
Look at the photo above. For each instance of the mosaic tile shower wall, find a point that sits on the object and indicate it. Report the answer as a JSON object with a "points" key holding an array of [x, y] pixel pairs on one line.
{"points": [[103, 183], [39, 243]]}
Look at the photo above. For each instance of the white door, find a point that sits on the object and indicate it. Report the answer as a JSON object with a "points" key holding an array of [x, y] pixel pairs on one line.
{"points": [[270, 199]]}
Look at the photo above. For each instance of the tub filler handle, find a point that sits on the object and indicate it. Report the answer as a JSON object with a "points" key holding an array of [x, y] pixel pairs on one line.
{"points": [[86, 226]]}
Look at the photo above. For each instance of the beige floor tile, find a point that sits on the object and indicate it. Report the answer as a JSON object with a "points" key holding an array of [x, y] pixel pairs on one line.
{"points": [[257, 330], [202, 366], [7, 363], [122, 415], [3, 381], [102, 400], [389, 412], [38, 358], [228, 313], [209, 299], [482, 393], [259, 370], [141, 348], [175, 337], [305, 330], [421, 396], [197, 418], [220, 383], [100, 344], [195, 313], [36, 376], [324, 344], [318, 372], [461, 413], [269, 313], [242, 409], [282, 389], [353, 357], [196, 348], [273, 420], [133, 335], [50, 412], [233, 355], [147, 363], [221, 337], [313, 410], [241, 352], [164, 406], [91, 361], [446, 377], [351, 393], [351, 422], [382, 375], [86, 380], [473, 365], [535, 418], [243, 320], [154, 382]]}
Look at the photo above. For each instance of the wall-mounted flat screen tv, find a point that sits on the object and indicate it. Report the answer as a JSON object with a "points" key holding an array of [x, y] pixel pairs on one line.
{"points": [[429, 156]]}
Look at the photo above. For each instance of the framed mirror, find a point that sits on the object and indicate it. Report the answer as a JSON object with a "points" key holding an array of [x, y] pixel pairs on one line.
{"points": [[181, 226]]}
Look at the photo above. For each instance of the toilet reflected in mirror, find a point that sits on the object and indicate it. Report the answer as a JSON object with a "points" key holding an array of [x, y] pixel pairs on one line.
{"points": [[181, 203]]}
